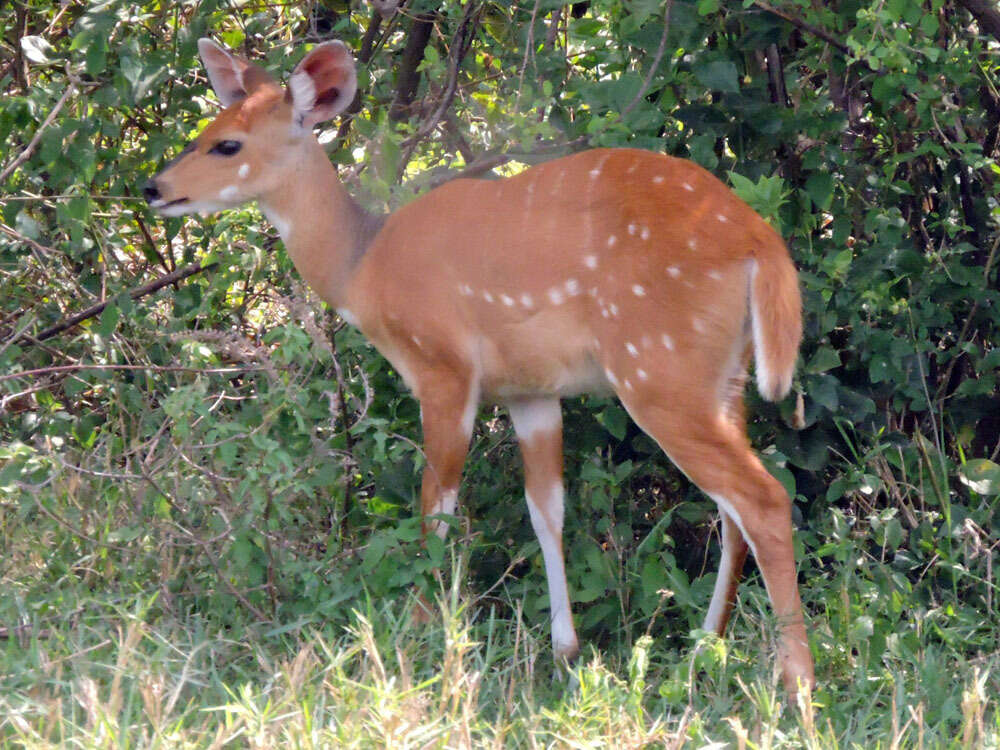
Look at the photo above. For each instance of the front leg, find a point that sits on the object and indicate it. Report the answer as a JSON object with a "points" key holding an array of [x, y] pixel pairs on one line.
{"points": [[447, 412]]}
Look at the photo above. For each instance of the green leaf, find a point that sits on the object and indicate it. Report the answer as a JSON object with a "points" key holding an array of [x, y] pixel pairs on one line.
{"points": [[819, 187], [823, 390], [701, 149], [28, 226], [981, 475], [825, 358], [718, 75], [37, 50], [614, 419], [878, 369], [109, 320]]}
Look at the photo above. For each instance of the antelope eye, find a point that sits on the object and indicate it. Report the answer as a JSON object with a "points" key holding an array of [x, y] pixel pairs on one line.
{"points": [[226, 148]]}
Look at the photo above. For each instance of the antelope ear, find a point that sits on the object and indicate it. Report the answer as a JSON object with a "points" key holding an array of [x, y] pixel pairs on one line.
{"points": [[323, 84], [232, 77]]}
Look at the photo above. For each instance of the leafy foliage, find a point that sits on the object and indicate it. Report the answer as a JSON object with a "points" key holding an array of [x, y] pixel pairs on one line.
{"points": [[222, 445]]}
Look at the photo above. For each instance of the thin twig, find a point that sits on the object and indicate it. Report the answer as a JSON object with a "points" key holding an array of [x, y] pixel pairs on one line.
{"points": [[798, 22], [14, 234], [136, 293], [656, 63], [151, 368]]}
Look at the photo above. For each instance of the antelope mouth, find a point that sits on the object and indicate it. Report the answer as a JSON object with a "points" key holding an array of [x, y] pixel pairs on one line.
{"points": [[161, 204]]}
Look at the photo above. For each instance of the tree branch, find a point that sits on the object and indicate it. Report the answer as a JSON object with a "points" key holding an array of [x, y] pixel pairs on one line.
{"points": [[93, 310], [823, 34], [408, 77], [986, 14]]}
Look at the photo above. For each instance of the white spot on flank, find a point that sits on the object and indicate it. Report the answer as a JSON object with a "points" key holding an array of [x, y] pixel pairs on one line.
{"points": [[605, 313], [643, 375], [644, 233], [612, 240], [229, 192], [668, 342], [527, 301], [659, 179], [646, 342], [687, 186], [592, 291], [244, 171], [416, 340], [596, 172], [487, 296], [631, 349], [722, 218], [572, 287], [507, 300], [611, 377], [632, 229], [348, 316], [614, 310], [698, 325], [556, 296], [628, 385], [715, 276], [692, 243], [465, 290], [674, 271], [638, 290], [590, 261]]}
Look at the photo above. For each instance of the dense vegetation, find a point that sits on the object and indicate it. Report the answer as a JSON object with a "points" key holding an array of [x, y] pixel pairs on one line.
{"points": [[208, 483]]}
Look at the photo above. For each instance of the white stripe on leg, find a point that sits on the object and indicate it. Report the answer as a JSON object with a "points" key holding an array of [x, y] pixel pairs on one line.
{"points": [[547, 518], [447, 504], [720, 594]]}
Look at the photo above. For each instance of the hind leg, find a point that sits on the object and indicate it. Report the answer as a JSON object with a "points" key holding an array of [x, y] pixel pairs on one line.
{"points": [[715, 454], [734, 555]]}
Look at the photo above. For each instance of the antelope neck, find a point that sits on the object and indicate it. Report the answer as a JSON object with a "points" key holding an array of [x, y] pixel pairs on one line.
{"points": [[324, 229]]}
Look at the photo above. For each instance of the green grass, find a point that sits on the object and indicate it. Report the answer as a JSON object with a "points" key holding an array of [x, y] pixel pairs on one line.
{"points": [[93, 672]]}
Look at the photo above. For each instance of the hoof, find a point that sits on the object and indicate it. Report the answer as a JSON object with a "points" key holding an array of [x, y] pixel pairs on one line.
{"points": [[423, 610], [798, 676], [565, 656]]}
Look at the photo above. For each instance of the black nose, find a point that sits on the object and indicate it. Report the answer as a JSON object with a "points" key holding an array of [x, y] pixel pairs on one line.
{"points": [[150, 192]]}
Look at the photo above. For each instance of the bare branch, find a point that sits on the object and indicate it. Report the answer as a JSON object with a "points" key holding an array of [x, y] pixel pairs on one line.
{"points": [[823, 34], [142, 291], [55, 369]]}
